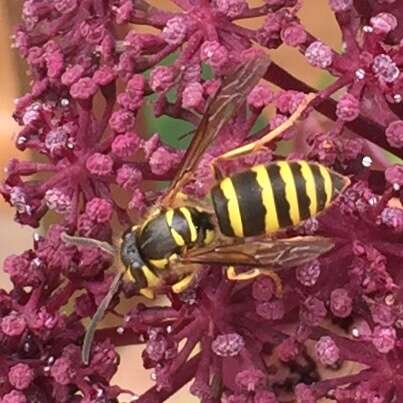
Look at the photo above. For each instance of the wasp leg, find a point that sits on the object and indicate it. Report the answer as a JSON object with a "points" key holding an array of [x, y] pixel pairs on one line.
{"points": [[181, 285], [261, 143], [253, 273], [82, 241], [277, 282], [147, 293], [247, 275]]}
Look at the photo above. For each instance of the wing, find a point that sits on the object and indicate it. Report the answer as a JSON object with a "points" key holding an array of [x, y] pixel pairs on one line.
{"points": [[275, 254], [227, 101]]}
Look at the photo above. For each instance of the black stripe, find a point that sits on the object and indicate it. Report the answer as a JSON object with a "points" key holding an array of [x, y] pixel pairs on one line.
{"points": [[300, 185], [202, 222], [181, 226], [221, 210], [319, 186], [249, 195], [282, 205], [338, 182]]}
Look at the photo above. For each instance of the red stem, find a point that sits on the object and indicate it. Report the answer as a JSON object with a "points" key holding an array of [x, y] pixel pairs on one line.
{"points": [[60, 297], [84, 120], [182, 377], [324, 386], [127, 338], [258, 11], [110, 98]]}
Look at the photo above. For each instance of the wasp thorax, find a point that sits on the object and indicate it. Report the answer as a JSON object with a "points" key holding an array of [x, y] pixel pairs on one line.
{"points": [[171, 232]]}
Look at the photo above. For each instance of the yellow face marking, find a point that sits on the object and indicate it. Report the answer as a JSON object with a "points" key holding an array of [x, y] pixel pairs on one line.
{"points": [[152, 280], [159, 263], [181, 285], [328, 183], [271, 218], [290, 191], [209, 236], [169, 215], [192, 228], [234, 213], [310, 186]]}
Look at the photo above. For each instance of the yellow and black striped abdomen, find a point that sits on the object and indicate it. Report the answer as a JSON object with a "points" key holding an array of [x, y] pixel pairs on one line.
{"points": [[267, 198]]}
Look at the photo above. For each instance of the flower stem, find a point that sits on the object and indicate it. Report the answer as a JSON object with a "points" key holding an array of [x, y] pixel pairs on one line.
{"points": [[182, 377]]}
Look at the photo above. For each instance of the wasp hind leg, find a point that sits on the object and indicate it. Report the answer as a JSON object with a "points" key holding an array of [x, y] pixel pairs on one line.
{"points": [[261, 143], [251, 274]]}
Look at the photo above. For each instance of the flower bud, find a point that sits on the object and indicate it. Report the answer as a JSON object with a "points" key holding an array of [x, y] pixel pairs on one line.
{"points": [[228, 345], [348, 108], [99, 164], [327, 351], [174, 31], [21, 376], [319, 55]]}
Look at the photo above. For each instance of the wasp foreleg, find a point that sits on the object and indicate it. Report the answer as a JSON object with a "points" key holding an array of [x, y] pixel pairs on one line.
{"points": [[183, 284]]}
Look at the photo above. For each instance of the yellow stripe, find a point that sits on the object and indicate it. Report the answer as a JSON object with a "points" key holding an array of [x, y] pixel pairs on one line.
{"points": [[234, 213], [271, 218], [310, 186], [192, 228], [175, 234], [159, 263], [152, 280], [328, 183], [290, 191], [177, 237], [169, 214]]}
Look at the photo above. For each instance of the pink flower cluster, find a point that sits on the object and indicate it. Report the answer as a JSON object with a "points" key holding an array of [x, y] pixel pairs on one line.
{"points": [[92, 76]]}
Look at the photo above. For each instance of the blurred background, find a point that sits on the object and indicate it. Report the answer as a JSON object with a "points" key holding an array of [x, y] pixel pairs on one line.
{"points": [[14, 238]]}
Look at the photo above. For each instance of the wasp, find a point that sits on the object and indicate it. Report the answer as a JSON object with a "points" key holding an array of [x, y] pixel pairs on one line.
{"points": [[179, 235]]}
